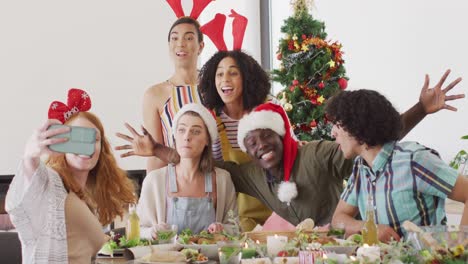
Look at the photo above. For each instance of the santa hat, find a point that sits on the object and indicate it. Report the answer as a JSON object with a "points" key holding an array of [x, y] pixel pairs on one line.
{"points": [[272, 116], [206, 115]]}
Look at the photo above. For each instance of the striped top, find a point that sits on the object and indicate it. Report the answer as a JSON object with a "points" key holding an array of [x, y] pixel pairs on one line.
{"points": [[181, 95], [230, 125], [408, 182]]}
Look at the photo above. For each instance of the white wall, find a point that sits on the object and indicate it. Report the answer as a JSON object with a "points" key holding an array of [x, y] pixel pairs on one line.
{"points": [[390, 45], [114, 49]]}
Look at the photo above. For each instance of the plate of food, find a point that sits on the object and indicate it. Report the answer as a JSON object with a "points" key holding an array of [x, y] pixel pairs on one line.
{"points": [[118, 243], [163, 257], [193, 255], [336, 245], [203, 242]]}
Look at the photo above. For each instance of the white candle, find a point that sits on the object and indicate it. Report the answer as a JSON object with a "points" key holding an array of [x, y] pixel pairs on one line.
{"points": [[371, 252], [275, 244]]}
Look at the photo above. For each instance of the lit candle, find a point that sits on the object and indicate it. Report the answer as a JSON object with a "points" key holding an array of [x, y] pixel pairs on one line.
{"points": [[247, 252], [372, 253], [275, 244]]}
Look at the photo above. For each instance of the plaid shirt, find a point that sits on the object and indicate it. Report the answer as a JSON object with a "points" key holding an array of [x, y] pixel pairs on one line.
{"points": [[408, 182]]}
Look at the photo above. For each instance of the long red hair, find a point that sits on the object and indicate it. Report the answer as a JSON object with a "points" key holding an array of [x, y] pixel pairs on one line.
{"points": [[108, 189]]}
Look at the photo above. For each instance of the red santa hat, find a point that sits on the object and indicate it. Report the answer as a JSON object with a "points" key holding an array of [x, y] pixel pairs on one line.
{"points": [[272, 116]]}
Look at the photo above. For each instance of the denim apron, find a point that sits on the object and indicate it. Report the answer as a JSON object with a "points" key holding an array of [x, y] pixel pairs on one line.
{"points": [[188, 212]]}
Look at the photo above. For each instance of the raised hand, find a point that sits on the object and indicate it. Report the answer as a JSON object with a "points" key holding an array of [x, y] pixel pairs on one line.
{"points": [[140, 145], [38, 144], [435, 99], [40, 140]]}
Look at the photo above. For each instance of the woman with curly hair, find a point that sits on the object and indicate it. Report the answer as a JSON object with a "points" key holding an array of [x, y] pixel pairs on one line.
{"points": [[406, 180], [59, 207], [232, 83]]}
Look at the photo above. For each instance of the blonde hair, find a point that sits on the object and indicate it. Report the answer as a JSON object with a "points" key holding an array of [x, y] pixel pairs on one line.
{"points": [[108, 189], [206, 159]]}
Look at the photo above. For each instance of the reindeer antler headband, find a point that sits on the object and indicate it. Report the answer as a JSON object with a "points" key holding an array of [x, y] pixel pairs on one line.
{"points": [[215, 28], [198, 7]]}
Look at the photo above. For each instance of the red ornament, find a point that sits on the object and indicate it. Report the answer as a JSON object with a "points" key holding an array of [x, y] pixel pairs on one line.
{"points": [[313, 123], [343, 83], [291, 45], [313, 99], [279, 56], [291, 88], [304, 36], [321, 85], [305, 128], [295, 82]]}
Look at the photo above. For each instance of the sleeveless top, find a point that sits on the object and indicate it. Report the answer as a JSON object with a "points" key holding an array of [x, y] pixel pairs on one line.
{"points": [[180, 96]]}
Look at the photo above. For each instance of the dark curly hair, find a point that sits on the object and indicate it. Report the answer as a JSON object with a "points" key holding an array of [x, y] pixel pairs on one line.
{"points": [[187, 20], [255, 81], [366, 115]]}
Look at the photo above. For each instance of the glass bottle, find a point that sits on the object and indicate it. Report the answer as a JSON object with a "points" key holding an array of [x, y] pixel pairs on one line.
{"points": [[369, 229], [133, 224]]}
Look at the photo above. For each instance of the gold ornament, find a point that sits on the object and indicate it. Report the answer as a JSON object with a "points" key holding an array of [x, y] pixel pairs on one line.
{"points": [[331, 63], [295, 37], [320, 99], [288, 107], [296, 45], [284, 100]]}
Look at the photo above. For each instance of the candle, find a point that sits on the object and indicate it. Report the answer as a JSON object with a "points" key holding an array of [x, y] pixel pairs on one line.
{"points": [[247, 252], [368, 253], [275, 244]]}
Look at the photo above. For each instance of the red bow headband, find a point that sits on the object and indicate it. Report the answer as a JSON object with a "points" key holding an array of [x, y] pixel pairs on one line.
{"points": [[78, 101], [215, 28]]}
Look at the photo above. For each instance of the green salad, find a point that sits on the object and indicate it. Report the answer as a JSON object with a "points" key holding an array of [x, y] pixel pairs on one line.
{"points": [[118, 241], [164, 235]]}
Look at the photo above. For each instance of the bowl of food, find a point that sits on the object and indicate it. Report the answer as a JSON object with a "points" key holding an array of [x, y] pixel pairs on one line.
{"points": [[204, 242], [438, 237]]}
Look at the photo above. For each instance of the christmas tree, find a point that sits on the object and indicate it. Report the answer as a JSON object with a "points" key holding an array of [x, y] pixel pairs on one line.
{"points": [[311, 71]]}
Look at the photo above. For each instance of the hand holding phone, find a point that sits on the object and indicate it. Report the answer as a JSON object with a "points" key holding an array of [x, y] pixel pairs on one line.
{"points": [[81, 140]]}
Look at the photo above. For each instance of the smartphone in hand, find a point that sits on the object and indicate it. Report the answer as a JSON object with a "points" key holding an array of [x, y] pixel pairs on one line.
{"points": [[81, 140]]}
